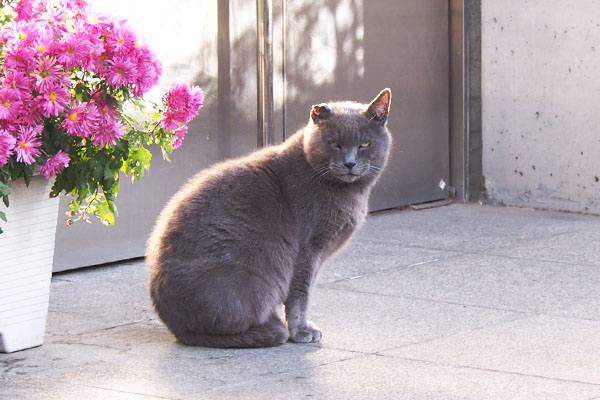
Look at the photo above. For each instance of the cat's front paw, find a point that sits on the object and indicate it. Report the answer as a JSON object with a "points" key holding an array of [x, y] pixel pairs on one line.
{"points": [[305, 334]]}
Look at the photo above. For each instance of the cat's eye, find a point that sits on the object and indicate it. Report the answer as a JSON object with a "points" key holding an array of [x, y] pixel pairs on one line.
{"points": [[364, 145], [335, 144]]}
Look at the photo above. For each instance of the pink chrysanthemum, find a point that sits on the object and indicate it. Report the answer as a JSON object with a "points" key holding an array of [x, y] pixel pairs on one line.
{"points": [[21, 33], [179, 136], [55, 164], [27, 144], [10, 103], [44, 44], [25, 10], [183, 103], [53, 100], [108, 133], [149, 70], [47, 73], [53, 19], [19, 58], [170, 122], [121, 39], [76, 5], [7, 145], [31, 110], [121, 71], [80, 119], [74, 51], [17, 80], [109, 128]]}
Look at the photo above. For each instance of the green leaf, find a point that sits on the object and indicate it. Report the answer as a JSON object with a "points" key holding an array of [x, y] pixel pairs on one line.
{"points": [[3, 216], [103, 211], [139, 162], [4, 189]]}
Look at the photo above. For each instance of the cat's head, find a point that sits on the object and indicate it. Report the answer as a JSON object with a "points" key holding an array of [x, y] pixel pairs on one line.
{"points": [[349, 142]]}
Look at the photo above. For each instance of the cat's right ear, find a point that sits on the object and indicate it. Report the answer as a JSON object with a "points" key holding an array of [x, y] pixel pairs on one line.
{"points": [[320, 112]]}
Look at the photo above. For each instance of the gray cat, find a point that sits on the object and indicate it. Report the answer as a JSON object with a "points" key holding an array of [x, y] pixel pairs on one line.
{"points": [[246, 235]]}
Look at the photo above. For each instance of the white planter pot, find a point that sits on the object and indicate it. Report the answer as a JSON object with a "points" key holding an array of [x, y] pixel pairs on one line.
{"points": [[26, 253]]}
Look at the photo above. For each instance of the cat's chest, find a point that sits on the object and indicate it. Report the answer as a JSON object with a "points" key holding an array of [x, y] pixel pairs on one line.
{"points": [[333, 221]]}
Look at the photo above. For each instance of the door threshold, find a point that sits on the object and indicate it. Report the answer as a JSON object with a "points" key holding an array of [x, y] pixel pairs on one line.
{"points": [[431, 204]]}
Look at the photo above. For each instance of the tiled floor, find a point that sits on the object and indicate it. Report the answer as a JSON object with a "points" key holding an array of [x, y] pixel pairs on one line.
{"points": [[456, 302]]}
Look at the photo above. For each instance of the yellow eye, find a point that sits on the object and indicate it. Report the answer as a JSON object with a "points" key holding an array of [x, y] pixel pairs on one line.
{"points": [[334, 144], [364, 145]]}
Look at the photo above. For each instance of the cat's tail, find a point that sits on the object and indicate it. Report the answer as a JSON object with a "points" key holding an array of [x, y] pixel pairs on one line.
{"points": [[272, 333]]}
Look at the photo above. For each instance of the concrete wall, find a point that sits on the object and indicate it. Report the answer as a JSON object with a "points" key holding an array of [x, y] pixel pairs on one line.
{"points": [[541, 103]]}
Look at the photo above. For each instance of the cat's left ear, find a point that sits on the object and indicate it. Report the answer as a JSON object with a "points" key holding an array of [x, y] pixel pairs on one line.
{"points": [[380, 107], [320, 112]]}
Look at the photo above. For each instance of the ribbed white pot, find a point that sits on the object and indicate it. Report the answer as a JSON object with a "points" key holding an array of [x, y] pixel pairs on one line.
{"points": [[26, 253]]}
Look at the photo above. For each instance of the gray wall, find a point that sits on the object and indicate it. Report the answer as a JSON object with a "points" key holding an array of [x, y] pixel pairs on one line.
{"points": [[541, 103], [185, 37]]}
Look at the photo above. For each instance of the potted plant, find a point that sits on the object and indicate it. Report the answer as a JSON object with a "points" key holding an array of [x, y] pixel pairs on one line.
{"points": [[73, 121]]}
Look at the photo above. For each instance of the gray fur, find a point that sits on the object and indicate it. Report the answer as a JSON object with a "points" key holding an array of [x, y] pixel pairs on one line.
{"points": [[246, 235]]}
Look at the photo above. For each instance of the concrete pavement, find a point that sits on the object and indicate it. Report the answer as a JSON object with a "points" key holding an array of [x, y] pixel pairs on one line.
{"points": [[455, 302]]}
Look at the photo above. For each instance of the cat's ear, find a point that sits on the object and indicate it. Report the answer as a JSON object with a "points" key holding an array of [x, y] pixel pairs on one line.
{"points": [[320, 112], [380, 107]]}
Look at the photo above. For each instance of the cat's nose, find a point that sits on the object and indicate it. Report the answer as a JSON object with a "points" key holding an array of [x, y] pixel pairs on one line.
{"points": [[349, 165]]}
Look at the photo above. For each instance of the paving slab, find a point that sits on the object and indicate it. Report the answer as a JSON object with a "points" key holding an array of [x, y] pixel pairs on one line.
{"points": [[469, 227], [376, 377], [543, 346], [580, 248], [361, 257], [99, 298], [491, 281], [114, 362], [368, 323]]}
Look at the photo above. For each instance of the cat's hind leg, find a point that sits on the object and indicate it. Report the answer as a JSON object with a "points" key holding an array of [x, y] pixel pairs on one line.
{"points": [[271, 333]]}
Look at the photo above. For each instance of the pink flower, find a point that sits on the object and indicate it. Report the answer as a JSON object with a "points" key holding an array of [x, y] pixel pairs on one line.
{"points": [[76, 5], [19, 58], [108, 133], [80, 119], [27, 144], [17, 80], [21, 32], [170, 121], [183, 102], [24, 10], [121, 71], [109, 128], [47, 73], [53, 100], [121, 39], [7, 145], [74, 51], [149, 70], [179, 136], [53, 19], [31, 110], [44, 44], [55, 164], [10, 103]]}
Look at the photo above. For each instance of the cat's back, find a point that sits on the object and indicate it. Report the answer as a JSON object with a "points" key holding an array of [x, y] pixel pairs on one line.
{"points": [[223, 209]]}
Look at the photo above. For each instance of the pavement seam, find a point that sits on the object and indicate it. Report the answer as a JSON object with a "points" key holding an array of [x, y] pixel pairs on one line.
{"points": [[120, 391], [461, 304], [274, 376], [480, 251], [391, 269], [444, 364]]}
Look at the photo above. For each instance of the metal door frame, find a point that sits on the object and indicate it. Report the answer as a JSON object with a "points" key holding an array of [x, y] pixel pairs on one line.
{"points": [[466, 175]]}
